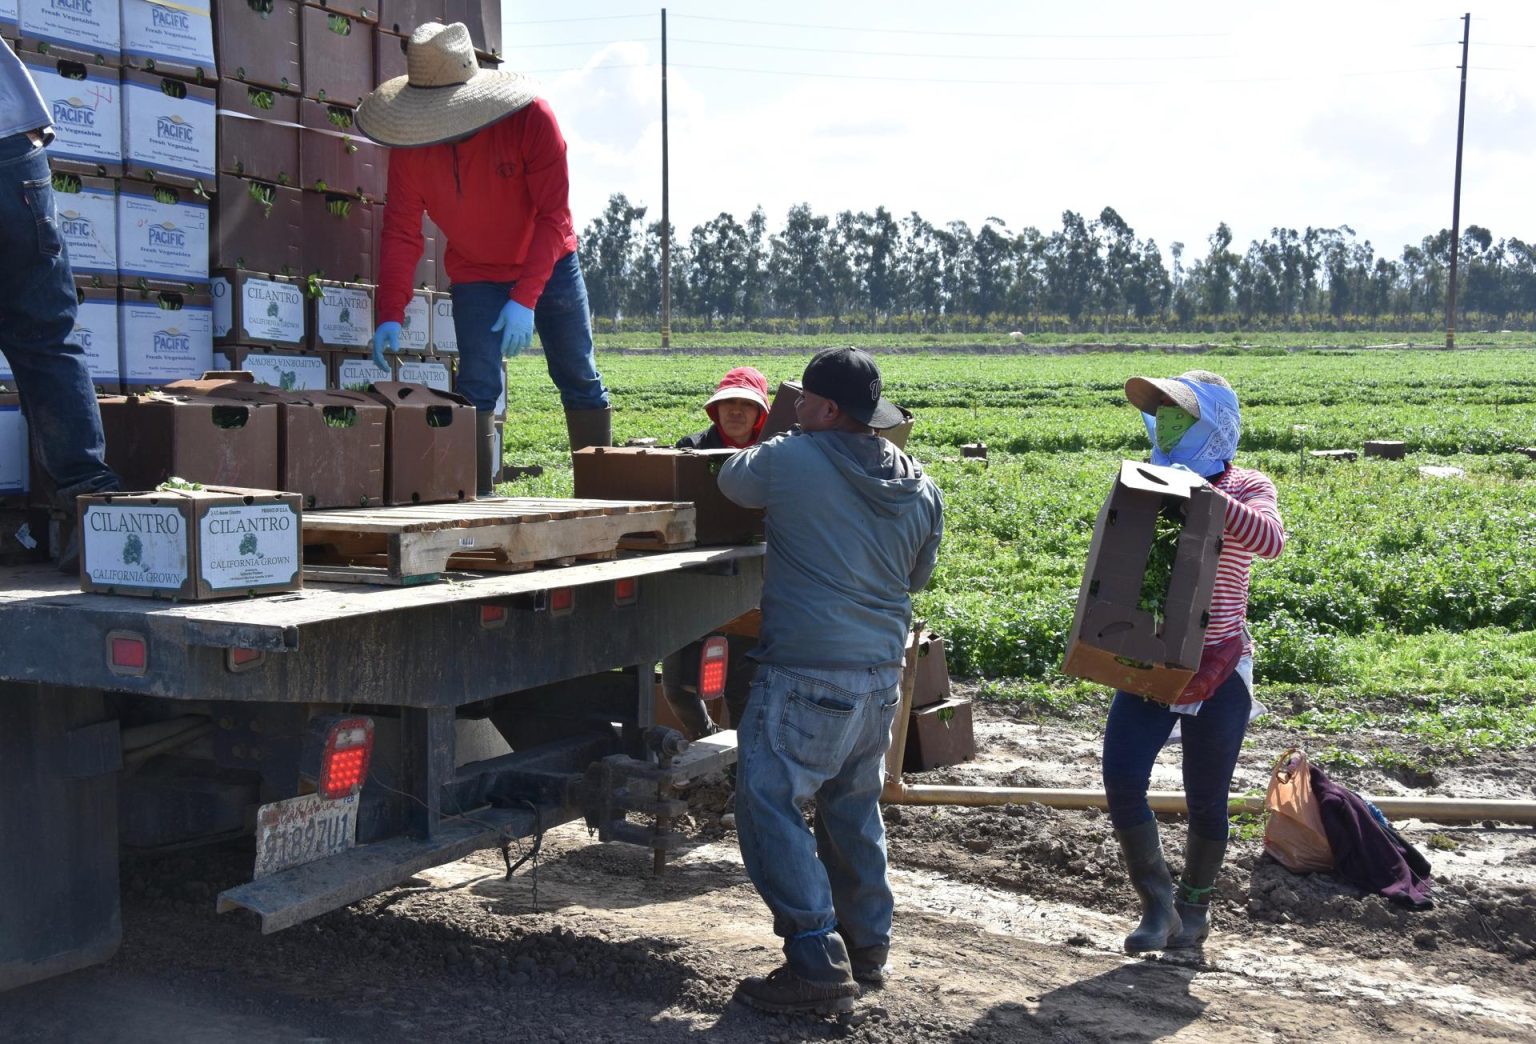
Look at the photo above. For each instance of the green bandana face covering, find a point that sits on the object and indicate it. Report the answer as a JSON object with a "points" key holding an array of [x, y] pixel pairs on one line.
{"points": [[1172, 424]]}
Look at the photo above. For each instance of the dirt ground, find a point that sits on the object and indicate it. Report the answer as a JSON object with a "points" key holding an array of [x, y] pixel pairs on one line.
{"points": [[1008, 927]]}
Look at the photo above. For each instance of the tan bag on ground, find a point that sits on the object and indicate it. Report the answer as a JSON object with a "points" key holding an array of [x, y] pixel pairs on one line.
{"points": [[1294, 833]]}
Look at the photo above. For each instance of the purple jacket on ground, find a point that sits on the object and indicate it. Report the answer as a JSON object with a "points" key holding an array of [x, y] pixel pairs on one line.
{"points": [[1365, 853]]}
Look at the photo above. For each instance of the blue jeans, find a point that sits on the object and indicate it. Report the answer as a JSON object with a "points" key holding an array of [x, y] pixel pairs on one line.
{"points": [[1211, 741], [564, 322], [37, 311], [823, 734]]}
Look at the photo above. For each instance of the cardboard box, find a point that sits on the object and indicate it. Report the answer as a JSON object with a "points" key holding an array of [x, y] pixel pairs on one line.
{"points": [[258, 133], [151, 438], [425, 369], [445, 336], [168, 130], [259, 46], [388, 54], [1114, 640], [162, 234], [483, 20], [403, 16], [338, 238], [341, 318], [195, 544], [357, 372], [260, 227], [92, 29], [14, 454], [336, 53], [361, 10], [938, 735], [670, 475], [85, 103], [87, 217], [286, 370], [335, 157], [257, 310], [330, 445], [930, 683], [416, 327], [429, 270], [96, 332], [431, 444], [169, 39], [781, 417], [163, 337], [10, 21]]}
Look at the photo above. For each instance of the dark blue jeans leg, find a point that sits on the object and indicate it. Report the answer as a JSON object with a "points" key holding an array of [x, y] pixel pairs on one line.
{"points": [[476, 307], [1137, 730], [564, 321], [37, 311]]}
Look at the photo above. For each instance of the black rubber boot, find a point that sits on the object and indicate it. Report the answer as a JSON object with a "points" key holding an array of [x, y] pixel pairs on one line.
{"points": [[1202, 862], [815, 979], [485, 454], [589, 427], [1143, 852]]}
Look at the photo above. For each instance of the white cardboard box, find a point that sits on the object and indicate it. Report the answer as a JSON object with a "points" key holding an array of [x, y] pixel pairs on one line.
{"points": [[96, 333], [163, 32], [431, 372], [85, 25], [88, 223], [87, 114], [161, 240], [167, 134], [13, 450], [160, 345], [416, 330]]}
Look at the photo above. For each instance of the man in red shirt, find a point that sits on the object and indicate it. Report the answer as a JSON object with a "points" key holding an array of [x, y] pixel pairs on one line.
{"points": [[481, 154]]}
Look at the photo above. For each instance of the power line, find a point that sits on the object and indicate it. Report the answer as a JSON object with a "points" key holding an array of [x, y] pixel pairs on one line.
{"points": [[590, 18], [586, 43], [1061, 83], [945, 32], [980, 57]]}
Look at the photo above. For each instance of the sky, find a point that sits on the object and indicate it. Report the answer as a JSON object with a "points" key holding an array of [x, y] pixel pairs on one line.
{"points": [[1180, 116]]}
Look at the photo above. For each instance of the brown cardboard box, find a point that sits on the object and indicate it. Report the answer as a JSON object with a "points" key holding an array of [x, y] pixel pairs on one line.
{"points": [[215, 542], [341, 318], [402, 16], [338, 237], [388, 54], [482, 18], [667, 475], [360, 10], [1113, 641], [259, 43], [253, 310], [431, 444], [336, 54], [781, 416], [938, 735], [152, 438], [258, 133], [260, 227], [330, 444], [931, 683], [334, 157]]}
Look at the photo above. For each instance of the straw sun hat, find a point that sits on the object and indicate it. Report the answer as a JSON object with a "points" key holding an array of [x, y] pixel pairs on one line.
{"points": [[1146, 393], [444, 96]]}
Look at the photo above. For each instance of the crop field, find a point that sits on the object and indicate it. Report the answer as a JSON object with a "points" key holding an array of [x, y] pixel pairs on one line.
{"points": [[1404, 606]]}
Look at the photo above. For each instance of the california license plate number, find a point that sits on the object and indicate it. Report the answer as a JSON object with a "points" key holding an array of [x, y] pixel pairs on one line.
{"points": [[300, 830]]}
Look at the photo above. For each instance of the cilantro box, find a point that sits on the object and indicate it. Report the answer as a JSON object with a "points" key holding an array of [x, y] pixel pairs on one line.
{"points": [[358, 373], [281, 369], [256, 310], [196, 544], [341, 317], [416, 327], [445, 336], [151, 438], [671, 475], [1145, 600], [426, 369]]}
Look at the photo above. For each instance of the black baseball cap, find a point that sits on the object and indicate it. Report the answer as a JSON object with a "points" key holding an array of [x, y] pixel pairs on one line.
{"points": [[850, 378]]}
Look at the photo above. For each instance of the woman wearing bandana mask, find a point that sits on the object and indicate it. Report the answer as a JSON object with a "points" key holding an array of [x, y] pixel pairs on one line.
{"points": [[1194, 422]]}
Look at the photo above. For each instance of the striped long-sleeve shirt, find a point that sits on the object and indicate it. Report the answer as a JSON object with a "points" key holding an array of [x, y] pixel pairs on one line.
{"points": [[1254, 530]]}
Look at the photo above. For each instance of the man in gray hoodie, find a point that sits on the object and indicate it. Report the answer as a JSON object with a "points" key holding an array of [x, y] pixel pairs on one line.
{"points": [[853, 528]]}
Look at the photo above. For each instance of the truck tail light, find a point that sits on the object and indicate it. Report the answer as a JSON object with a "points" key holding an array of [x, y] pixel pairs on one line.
{"points": [[492, 616], [561, 601], [712, 665], [345, 757], [626, 591], [127, 653], [238, 660]]}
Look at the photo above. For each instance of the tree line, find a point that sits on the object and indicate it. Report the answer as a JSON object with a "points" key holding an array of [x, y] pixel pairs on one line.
{"points": [[875, 271]]}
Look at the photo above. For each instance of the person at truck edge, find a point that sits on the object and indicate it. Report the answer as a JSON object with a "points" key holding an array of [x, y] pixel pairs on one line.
{"points": [[480, 153], [38, 307], [1194, 423], [737, 412], [853, 528]]}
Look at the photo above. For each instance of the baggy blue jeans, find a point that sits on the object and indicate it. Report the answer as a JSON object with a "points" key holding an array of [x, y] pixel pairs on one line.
{"points": [[1211, 741], [564, 322], [811, 732], [37, 312]]}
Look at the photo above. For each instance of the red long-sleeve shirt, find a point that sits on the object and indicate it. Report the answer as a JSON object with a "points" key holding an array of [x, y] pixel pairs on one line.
{"points": [[1254, 530], [500, 197]]}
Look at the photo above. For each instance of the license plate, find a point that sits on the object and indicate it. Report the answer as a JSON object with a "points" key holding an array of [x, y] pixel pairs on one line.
{"points": [[300, 830]]}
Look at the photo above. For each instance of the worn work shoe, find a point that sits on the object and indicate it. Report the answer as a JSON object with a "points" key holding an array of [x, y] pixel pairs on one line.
{"points": [[1192, 899], [785, 993], [869, 964], [1153, 884]]}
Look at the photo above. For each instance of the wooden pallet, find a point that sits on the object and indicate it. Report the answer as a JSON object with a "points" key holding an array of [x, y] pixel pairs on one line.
{"points": [[413, 544]]}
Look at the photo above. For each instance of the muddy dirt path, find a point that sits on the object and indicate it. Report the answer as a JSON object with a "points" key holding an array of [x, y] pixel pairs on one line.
{"points": [[1008, 927]]}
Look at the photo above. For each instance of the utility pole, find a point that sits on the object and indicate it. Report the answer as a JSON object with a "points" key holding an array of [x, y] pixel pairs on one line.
{"points": [[667, 208], [1461, 122]]}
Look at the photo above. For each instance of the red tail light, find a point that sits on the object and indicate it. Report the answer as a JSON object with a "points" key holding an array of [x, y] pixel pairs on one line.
{"points": [[562, 600], [492, 616], [237, 660], [713, 662], [626, 591], [127, 653], [344, 761]]}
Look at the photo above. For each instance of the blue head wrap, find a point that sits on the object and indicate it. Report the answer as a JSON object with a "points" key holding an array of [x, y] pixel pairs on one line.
{"points": [[1207, 447]]}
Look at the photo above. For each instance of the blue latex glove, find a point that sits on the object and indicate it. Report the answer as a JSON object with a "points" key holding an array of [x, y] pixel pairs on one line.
{"points": [[515, 324], [385, 338]]}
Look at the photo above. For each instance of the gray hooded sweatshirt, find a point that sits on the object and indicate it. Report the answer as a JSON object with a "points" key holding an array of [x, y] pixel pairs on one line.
{"points": [[853, 528]]}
